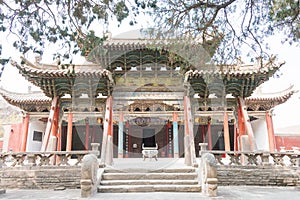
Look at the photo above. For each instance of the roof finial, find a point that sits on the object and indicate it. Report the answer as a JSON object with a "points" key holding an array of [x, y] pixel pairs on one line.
{"points": [[108, 35], [259, 62], [38, 59]]}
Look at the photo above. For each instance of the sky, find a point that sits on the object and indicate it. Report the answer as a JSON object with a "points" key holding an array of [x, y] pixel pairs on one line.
{"points": [[285, 115]]}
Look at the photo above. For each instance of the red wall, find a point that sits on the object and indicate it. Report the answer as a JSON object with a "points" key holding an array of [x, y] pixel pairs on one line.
{"points": [[15, 138], [287, 141]]}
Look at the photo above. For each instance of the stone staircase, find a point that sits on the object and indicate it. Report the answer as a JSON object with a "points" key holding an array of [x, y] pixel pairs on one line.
{"points": [[141, 180]]}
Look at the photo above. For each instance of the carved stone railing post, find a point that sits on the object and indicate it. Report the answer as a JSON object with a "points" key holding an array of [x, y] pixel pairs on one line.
{"points": [[89, 171], [31, 158], [296, 157], [209, 175], [95, 148], [265, 158], [203, 148]]}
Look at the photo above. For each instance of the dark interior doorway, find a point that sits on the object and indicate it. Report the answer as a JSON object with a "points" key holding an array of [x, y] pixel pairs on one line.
{"points": [[149, 137]]}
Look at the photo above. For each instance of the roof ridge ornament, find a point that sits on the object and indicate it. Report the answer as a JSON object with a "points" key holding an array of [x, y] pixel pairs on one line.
{"points": [[259, 62], [108, 35]]}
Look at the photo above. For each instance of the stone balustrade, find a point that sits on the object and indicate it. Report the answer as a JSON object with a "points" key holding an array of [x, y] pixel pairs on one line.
{"points": [[254, 158], [287, 159], [49, 158]]}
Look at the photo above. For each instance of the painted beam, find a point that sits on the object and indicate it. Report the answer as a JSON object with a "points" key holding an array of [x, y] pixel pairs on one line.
{"points": [[49, 124]]}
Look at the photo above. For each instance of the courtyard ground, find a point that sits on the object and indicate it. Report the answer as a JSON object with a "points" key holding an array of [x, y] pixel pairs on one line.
{"points": [[224, 192]]}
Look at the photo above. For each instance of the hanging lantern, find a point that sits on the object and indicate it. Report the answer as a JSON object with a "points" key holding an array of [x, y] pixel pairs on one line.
{"points": [[99, 120]]}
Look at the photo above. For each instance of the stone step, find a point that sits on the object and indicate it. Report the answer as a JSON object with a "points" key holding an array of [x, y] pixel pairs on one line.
{"points": [[149, 188], [149, 182], [142, 170], [148, 176]]}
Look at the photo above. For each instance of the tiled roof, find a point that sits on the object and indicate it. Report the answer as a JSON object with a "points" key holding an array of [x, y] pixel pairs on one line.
{"points": [[267, 101], [240, 69], [274, 96], [71, 70], [33, 101], [32, 97], [58, 82]]}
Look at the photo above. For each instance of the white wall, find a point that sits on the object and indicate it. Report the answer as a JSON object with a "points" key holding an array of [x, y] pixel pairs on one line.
{"points": [[260, 131], [34, 125], [7, 129]]}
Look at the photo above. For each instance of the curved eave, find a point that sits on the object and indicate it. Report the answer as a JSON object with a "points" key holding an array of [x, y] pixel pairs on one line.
{"points": [[238, 82], [60, 82], [35, 101], [267, 102], [31, 72]]}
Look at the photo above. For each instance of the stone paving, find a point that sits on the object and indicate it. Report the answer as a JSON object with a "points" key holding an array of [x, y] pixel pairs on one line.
{"points": [[225, 193]]}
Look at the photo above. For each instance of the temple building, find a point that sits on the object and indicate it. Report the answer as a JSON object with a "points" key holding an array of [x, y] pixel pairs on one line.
{"points": [[132, 95]]}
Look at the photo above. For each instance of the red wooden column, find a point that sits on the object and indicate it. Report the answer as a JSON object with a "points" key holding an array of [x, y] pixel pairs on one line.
{"points": [[49, 124], [241, 122], [109, 155], [209, 138], [241, 129], [247, 124], [87, 133], [271, 135], [187, 139], [25, 125], [107, 147], [69, 132], [226, 132], [55, 122]]}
